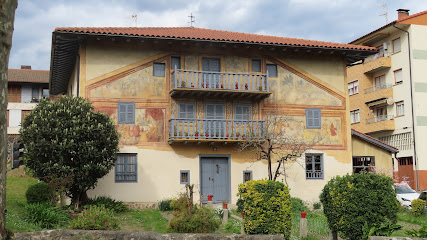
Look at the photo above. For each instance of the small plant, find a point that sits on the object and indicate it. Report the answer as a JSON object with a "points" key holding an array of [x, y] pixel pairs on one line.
{"points": [[182, 83], [96, 218], [207, 134], [237, 86], [186, 134], [418, 206], [192, 85], [196, 134], [420, 233], [260, 88], [219, 211], [114, 205], [45, 215], [217, 134], [165, 205], [384, 229], [40, 192], [222, 86], [200, 221], [317, 205], [233, 226], [246, 86]]}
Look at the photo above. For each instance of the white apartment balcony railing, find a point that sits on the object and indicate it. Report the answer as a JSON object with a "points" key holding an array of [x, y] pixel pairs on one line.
{"points": [[378, 87], [379, 119]]}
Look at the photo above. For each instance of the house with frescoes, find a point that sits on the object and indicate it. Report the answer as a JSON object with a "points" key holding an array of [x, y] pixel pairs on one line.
{"points": [[182, 97]]}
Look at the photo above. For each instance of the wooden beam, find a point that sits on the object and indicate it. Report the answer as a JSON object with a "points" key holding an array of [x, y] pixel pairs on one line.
{"points": [[185, 142], [211, 143], [198, 142]]}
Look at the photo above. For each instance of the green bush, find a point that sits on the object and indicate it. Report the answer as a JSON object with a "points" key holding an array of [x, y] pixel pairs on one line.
{"points": [[200, 221], [418, 206], [165, 205], [420, 233], [317, 205], [267, 207], [39, 193], [96, 218], [45, 215], [384, 229], [115, 206], [233, 226], [298, 207], [350, 201]]}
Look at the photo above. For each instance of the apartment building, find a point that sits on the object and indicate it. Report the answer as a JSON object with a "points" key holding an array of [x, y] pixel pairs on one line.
{"points": [[388, 93]]}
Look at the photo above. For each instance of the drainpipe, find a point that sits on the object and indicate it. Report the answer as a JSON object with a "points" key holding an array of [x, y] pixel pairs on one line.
{"points": [[417, 177]]}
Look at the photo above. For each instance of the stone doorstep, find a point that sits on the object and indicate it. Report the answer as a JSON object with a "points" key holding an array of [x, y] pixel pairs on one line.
{"points": [[123, 235]]}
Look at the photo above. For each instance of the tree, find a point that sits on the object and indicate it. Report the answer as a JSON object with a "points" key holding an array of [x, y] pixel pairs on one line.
{"points": [[7, 16], [282, 141], [68, 139]]}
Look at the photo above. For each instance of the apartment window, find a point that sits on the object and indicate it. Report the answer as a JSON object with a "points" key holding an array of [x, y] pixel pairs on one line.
{"points": [[126, 168], [176, 62], [256, 65], [379, 81], [353, 87], [398, 78], [242, 112], [400, 108], [396, 45], [159, 69], [184, 177], [186, 110], [364, 164], [247, 176], [314, 166], [126, 112], [355, 116], [272, 70], [313, 118]]}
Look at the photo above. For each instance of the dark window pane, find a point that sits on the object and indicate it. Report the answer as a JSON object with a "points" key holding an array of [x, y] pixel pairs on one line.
{"points": [[272, 70], [256, 65], [159, 69], [176, 62]]}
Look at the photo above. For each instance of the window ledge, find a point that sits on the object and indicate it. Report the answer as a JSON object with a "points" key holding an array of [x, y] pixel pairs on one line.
{"points": [[355, 123], [399, 116]]}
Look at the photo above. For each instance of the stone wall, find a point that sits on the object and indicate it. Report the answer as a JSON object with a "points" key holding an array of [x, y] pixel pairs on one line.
{"points": [[122, 235], [393, 238]]}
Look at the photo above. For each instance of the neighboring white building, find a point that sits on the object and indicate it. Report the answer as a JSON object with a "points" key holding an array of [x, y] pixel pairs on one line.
{"points": [[389, 99]]}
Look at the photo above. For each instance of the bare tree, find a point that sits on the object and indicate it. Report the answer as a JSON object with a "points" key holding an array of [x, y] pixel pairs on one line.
{"points": [[7, 16], [282, 142]]}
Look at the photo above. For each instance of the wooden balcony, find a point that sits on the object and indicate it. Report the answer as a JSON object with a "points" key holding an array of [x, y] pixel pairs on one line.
{"points": [[214, 130], [188, 83]]}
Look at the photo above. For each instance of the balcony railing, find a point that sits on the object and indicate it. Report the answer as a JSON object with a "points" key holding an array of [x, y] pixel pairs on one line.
{"points": [[220, 80], [379, 118], [378, 87], [222, 129]]}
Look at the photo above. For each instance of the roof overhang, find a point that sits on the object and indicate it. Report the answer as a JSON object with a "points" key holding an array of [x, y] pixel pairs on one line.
{"points": [[374, 141]]}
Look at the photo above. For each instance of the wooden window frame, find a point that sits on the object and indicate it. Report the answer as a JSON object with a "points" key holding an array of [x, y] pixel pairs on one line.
{"points": [[394, 73], [186, 103], [127, 121], [188, 176], [397, 112], [252, 65], [246, 105], [125, 169], [313, 165]]}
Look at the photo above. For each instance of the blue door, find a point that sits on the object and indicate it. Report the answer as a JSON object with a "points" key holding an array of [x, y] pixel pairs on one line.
{"points": [[215, 178]]}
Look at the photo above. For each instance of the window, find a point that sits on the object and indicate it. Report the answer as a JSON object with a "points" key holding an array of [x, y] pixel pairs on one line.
{"points": [[313, 118], [126, 113], [272, 70], [256, 65], [400, 108], [247, 176], [126, 167], [398, 78], [379, 82], [45, 93], [364, 164], [355, 116], [396, 45], [242, 112], [353, 87], [184, 177], [314, 166], [186, 110], [159, 69], [176, 62]]}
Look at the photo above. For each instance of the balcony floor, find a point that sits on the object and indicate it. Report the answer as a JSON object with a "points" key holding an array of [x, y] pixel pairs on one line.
{"points": [[204, 140], [220, 93]]}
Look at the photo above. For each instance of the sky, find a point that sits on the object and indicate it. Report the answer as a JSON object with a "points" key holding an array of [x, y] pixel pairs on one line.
{"points": [[324, 20]]}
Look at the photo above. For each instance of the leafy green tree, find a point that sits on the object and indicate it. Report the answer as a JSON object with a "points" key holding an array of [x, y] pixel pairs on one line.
{"points": [[68, 139]]}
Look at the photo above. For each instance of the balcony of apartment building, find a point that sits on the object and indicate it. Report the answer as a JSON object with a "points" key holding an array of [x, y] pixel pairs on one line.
{"points": [[377, 62], [378, 92], [379, 120]]}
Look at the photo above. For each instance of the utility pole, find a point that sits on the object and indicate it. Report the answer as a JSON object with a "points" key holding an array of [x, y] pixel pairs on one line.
{"points": [[7, 16]]}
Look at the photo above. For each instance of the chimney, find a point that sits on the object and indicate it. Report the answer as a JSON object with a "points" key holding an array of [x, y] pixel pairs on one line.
{"points": [[26, 67], [402, 13]]}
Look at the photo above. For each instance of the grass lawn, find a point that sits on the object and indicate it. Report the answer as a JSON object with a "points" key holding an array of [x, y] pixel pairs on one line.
{"points": [[147, 220]]}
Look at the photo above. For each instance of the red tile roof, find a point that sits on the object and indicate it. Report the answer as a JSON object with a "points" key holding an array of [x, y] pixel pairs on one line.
{"points": [[28, 75], [208, 34], [374, 139]]}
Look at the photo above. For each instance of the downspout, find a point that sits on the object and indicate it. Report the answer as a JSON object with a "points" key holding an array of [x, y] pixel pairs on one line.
{"points": [[417, 179]]}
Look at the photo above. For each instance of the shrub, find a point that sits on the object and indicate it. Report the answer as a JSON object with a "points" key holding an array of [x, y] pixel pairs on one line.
{"points": [[267, 207], [420, 233], [96, 218], [317, 205], [418, 206], [384, 229], [39, 193], [165, 205], [115, 206], [200, 221], [45, 215], [350, 201], [233, 226], [298, 207]]}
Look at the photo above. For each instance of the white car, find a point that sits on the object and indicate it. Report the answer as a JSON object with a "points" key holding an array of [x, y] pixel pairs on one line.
{"points": [[405, 195]]}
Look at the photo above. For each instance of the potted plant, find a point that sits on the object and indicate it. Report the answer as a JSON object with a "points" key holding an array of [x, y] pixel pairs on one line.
{"points": [[207, 134], [196, 134], [182, 83], [224, 205], [186, 135], [237, 86], [217, 134], [260, 88], [217, 85], [246, 86], [237, 135], [303, 214], [222, 86], [175, 134], [192, 85], [210, 196]]}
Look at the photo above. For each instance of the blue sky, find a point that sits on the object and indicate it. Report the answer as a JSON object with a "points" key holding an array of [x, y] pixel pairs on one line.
{"points": [[325, 20]]}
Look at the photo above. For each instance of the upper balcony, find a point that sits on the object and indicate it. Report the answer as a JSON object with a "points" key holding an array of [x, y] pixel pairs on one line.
{"points": [[380, 123], [189, 83], [383, 91], [376, 63]]}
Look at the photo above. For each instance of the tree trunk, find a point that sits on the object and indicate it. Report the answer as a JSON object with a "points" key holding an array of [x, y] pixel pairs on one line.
{"points": [[78, 199], [7, 16]]}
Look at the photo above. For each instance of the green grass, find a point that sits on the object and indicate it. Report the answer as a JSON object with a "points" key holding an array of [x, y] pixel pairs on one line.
{"points": [[148, 220], [405, 215]]}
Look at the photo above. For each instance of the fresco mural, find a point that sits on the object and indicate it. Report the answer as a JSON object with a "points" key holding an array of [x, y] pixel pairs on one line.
{"points": [[236, 64], [289, 88], [140, 85], [191, 63], [148, 127]]}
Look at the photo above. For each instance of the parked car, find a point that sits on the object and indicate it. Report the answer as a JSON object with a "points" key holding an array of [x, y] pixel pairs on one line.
{"points": [[406, 194]]}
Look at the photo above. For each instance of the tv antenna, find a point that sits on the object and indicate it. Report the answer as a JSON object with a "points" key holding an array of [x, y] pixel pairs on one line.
{"points": [[134, 18], [192, 19], [385, 14]]}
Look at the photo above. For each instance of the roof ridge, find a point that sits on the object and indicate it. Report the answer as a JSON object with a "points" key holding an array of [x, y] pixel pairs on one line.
{"points": [[374, 139], [28, 69]]}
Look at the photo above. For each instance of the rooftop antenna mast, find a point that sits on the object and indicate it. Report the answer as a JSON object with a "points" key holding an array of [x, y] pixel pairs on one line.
{"points": [[134, 17], [192, 19], [385, 14]]}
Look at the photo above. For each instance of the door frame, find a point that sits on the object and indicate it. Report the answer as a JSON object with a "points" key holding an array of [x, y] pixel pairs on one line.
{"points": [[228, 156]]}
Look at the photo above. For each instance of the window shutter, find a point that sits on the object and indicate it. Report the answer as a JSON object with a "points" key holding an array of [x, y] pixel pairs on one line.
{"points": [[122, 113], [313, 118], [190, 110], [316, 118], [256, 65], [210, 111], [130, 113], [309, 118], [176, 61], [159, 69]]}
